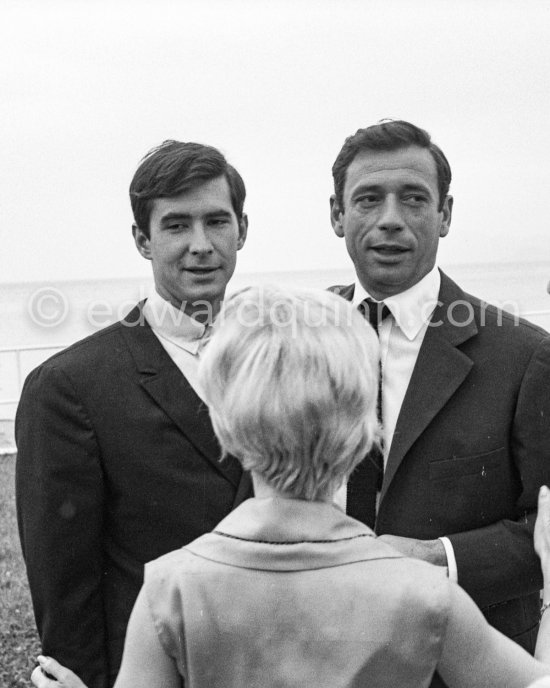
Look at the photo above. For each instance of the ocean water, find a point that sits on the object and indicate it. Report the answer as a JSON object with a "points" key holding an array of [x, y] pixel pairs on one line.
{"points": [[37, 319]]}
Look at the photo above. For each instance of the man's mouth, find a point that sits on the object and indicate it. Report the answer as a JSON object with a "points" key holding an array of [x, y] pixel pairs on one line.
{"points": [[202, 270], [389, 249]]}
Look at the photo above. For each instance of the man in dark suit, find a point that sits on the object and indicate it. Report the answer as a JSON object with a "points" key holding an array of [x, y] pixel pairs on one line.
{"points": [[117, 460], [465, 387]]}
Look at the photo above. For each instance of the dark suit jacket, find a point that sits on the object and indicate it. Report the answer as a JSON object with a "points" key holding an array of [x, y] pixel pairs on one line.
{"points": [[471, 449], [117, 464]]}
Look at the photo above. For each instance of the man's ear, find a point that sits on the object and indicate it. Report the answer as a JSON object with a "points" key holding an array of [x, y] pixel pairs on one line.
{"points": [[142, 241], [336, 216], [243, 231], [447, 211]]}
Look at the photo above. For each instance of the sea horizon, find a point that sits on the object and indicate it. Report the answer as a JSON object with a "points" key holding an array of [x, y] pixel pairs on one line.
{"points": [[43, 316], [446, 267]]}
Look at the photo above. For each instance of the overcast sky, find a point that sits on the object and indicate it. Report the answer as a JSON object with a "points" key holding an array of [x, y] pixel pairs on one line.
{"points": [[87, 87]]}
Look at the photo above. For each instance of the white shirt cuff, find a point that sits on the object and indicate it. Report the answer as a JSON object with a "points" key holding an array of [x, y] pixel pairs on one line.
{"points": [[451, 561]]}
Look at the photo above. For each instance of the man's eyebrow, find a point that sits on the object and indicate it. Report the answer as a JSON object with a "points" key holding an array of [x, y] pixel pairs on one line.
{"points": [[221, 212], [417, 186], [374, 186], [367, 186], [175, 215]]}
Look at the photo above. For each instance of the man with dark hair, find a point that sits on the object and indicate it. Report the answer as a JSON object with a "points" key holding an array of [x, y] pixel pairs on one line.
{"points": [[465, 392], [117, 460]]}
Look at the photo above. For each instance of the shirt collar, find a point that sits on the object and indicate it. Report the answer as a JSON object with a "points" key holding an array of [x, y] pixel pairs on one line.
{"points": [[173, 324], [412, 308]]}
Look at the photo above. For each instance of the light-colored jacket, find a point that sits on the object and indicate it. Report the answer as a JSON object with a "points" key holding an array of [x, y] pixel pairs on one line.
{"points": [[290, 593]]}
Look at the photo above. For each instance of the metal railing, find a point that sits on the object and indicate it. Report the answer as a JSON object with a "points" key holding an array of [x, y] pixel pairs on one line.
{"points": [[541, 317], [21, 371]]}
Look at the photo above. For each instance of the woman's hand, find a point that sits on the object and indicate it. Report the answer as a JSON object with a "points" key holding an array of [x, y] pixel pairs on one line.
{"points": [[542, 532], [61, 676]]}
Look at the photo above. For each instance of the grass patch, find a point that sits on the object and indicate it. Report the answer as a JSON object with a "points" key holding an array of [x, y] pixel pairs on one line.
{"points": [[19, 642]]}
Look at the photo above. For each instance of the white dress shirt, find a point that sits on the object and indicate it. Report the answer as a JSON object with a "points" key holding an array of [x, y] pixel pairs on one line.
{"points": [[181, 336], [401, 336]]}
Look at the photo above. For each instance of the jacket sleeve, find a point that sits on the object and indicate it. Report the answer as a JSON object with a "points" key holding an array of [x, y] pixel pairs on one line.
{"points": [[498, 562], [59, 496]]}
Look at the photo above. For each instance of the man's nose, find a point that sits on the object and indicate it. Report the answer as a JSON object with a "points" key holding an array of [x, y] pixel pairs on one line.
{"points": [[390, 214], [200, 242]]}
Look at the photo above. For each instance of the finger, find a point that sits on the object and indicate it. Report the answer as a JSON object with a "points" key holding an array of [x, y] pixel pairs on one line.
{"points": [[544, 504], [52, 667], [40, 680], [62, 677]]}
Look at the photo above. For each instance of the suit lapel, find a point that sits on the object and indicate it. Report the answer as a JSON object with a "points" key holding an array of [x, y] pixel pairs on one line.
{"points": [[440, 369], [164, 382]]}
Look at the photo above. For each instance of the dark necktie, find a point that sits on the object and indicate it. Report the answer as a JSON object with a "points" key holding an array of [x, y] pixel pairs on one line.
{"points": [[366, 480], [375, 311]]}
